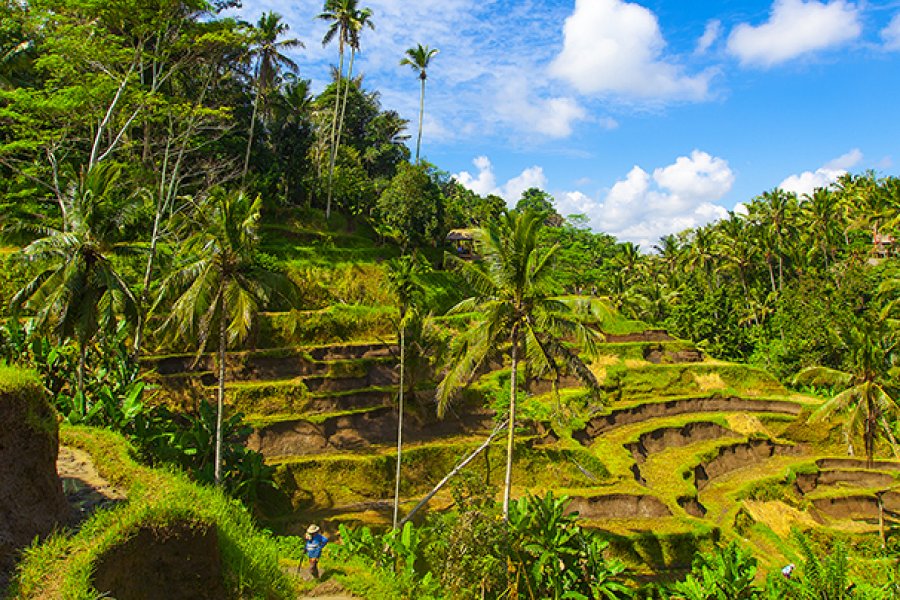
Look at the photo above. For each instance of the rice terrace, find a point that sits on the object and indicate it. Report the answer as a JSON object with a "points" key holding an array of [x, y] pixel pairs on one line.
{"points": [[263, 336]]}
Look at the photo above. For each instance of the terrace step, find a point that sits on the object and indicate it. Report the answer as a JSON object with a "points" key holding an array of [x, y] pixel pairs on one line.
{"points": [[618, 506], [650, 410], [356, 431], [273, 363], [739, 456]]}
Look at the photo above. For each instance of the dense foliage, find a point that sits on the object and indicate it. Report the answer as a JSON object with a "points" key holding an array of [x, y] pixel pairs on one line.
{"points": [[159, 159]]}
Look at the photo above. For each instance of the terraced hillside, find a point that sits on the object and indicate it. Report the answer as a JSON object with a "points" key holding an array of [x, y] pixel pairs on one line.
{"points": [[687, 450]]}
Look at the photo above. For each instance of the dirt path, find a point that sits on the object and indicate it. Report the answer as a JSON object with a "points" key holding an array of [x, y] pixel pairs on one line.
{"points": [[85, 489]]}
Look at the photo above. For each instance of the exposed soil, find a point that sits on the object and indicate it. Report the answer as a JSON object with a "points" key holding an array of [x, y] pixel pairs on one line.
{"points": [[650, 335], [854, 463], [175, 562], [85, 490], [676, 437], [662, 355], [618, 506], [31, 496], [738, 456], [642, 412], [858, 507], [807, 482], [359, 430], [692, 506]]}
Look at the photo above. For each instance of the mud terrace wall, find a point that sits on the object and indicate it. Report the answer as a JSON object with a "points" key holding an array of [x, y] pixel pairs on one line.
{"points": [[180, 561], [642, 412], [31, 495]]}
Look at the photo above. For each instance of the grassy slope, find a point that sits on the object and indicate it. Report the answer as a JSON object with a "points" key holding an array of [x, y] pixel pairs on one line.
{"points": [[61, 567]]}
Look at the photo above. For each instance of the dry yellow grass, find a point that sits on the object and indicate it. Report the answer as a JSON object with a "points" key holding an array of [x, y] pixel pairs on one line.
{"points": [[635, 363], [779, 517], [710, 381], [746, 424], [606, 360]]}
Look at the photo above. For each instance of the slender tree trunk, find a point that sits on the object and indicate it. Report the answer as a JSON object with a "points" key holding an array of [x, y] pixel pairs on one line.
{"points": [[421, 117], [82, 352], [771, 273], [252, 128], [510, 437], [453, 472], [220, 400], [336, 144], [400, 422], [334, 119]]}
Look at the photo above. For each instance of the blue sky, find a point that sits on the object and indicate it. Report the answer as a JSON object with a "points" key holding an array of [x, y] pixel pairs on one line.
{"points": [[650, 116]]}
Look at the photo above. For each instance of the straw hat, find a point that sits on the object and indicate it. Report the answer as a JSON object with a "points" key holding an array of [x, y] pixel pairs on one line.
{"points": [[312, 529]]}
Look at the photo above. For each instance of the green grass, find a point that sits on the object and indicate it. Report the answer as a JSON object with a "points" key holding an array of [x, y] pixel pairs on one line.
{"points": [[61, 567]]}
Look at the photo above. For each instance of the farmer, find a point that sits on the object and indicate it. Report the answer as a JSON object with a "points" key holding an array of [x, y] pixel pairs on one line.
{"points": [[315, 541], [788, 571]]}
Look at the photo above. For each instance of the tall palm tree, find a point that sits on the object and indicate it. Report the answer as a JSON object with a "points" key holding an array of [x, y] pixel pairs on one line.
{"points": [[219, 287], [270, 61], [864, 402], [347, 21], [78, 292], [514, 294], [419, 58], [406, 290]]}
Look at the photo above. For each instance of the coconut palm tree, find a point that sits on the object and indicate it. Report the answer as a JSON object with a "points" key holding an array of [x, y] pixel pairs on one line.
{"points": [[406, 290], [347, 21], [78, 292], [270, 61], [519, 315], [219, 287], [864, 403], [418, 59]]}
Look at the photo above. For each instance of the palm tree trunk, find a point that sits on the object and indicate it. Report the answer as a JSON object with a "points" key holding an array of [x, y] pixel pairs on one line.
{"points": [[250, 137], [82, 352], [400, 423], [510, 437], [421, 116], [220, 404], [336, 141], [334, 119], [459, 467]]}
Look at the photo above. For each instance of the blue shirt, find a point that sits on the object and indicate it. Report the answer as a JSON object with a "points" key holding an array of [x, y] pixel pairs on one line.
{"points": [[315, 544]]}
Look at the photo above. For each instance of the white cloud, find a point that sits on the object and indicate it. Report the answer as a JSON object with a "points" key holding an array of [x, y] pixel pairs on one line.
{"points": [[639, 208], [529, 178], [616, 47], [891, 34], [485, 182], [710, 36], [642, 207], [808, 181], [794, 28]]}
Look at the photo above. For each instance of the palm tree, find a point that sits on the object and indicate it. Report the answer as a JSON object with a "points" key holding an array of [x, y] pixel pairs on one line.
{"points": [[865, 403], [78, 292], [514, 294], [406, 291], [219, 287], [347, 21], [419, 58], [270, 60]]}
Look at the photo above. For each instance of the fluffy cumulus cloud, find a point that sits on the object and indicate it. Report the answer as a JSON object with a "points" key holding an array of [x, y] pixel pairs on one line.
{"points": [[808, 181], [795, 28], [484, 182], [616, 47], [891, 34], [644, 206]]}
